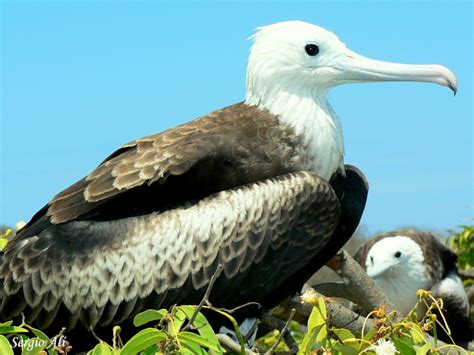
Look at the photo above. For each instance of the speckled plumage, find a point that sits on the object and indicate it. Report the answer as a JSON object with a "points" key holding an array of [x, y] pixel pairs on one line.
{"points": [[91, 266], [149, 226]]}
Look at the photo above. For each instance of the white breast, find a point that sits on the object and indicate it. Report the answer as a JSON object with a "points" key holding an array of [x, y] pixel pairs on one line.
{"points": [[315, 121], [402, 291]]}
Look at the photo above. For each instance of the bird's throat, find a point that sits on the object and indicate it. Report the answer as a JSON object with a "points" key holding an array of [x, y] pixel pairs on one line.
{"points": [[313, 119]]}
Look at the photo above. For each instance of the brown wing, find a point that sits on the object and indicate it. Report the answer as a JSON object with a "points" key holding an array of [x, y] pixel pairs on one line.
{"points": [[216, 152]]}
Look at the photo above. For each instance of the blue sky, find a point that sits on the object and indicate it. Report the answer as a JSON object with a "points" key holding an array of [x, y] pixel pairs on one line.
{"points": [[81, 78]]}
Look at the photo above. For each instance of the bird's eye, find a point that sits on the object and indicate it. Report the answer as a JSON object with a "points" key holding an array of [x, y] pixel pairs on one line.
{"points": [[372, 259], [311, 49], [398, 254]]}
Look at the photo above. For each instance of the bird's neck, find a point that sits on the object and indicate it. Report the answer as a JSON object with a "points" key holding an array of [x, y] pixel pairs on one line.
{"points": [[313, 119]]}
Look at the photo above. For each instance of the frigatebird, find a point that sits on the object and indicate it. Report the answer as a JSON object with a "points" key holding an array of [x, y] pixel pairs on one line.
{"points": [[259, 187]]}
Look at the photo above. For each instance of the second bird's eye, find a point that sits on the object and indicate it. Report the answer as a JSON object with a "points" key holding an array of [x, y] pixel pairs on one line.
{"points": [[312, 49], [398, 254]]}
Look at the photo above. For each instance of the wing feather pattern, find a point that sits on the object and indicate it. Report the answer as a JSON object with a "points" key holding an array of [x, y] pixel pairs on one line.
{"points": [[107, 271]]}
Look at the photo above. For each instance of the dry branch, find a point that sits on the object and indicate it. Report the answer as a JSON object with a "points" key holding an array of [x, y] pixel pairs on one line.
{"points": [[228, 343], [357, 286], [470, 294], [466, 274]]}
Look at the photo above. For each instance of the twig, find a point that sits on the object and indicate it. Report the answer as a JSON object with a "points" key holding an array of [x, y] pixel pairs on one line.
{"points": [[205, 299], [470, 294], [91, 329], [466, 274], [227, 342], [276, 323], [232, 310]]}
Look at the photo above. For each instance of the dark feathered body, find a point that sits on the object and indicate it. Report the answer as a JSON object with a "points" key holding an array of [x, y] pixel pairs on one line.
{"points": [[149, 226]]}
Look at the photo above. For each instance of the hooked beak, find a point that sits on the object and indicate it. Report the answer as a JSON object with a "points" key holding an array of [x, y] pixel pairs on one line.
{"points": [[354, 68], [380, 272]]}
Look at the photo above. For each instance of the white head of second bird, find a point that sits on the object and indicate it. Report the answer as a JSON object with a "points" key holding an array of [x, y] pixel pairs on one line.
{"points": [[397, 265], [293, 65]]}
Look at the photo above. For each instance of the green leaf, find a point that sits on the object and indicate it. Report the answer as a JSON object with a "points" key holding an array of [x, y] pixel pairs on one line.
{"points": [[188, 337], [3, 243], [12, 329], [176, 322], [5, 347], [318, 321], [315, 318], [309, 340], [202, 325], [38, 333], [322, 335], [149, 315], [234, 323], [403, 347], [422, 350], [406, 339], [102, 349], [34, 346], [152, 350], [322, 308], [192, 348], [343, 334], [417, 334], [370, 334], [346, 350], [186, 351], [143, 340]]}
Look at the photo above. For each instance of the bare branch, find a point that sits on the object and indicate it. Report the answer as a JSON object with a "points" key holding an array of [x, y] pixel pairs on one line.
{"points": [[470, 294], [466, 274], [230, 311], [228, 343], [205, 299], [333, 289], [359, 287]]}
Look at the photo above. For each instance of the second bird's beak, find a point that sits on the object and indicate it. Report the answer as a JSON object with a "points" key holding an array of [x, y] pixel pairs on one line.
{"points": [[353, 68]]}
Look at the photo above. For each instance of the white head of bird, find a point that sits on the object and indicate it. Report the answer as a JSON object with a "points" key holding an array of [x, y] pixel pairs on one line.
{"points": [[395, 256], [397, 265], [292, 67]]}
